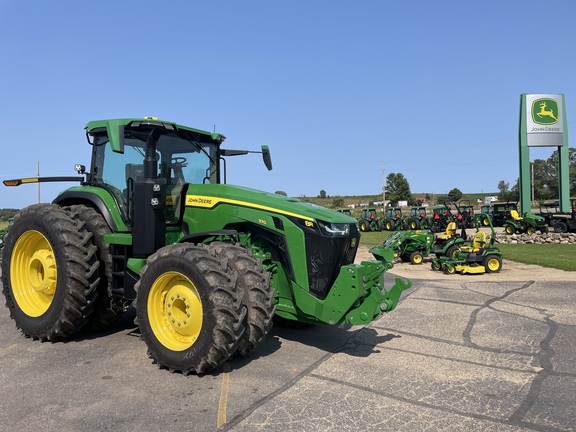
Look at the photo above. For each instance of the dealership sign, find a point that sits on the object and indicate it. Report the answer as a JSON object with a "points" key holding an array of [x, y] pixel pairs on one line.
{"points": [[544, 120]]}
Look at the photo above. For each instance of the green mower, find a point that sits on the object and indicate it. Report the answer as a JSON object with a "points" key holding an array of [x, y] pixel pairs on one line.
{"points": [[526, 224], [413, 246], [478, 257]]}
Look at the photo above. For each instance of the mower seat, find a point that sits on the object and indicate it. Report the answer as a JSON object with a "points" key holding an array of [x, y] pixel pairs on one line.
{"points": [[514, 214], [478, 243], [450, 231]]}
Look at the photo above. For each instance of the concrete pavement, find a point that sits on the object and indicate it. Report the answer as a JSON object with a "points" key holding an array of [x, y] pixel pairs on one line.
{"points": [[457, 354]]}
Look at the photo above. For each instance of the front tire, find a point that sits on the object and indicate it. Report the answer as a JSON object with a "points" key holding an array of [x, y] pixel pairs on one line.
{"points": [[189, 308], [416, 258], [258, 294], [49, 273]]}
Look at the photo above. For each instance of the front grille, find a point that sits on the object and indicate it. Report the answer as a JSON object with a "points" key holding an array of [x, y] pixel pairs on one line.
{"points": [[325, 255]]}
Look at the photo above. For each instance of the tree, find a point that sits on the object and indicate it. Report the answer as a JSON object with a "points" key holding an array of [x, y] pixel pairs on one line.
{"points": [[338, 202], [455, 194], [545, 176], [398, 189], [322, 194], [281, 193], [504, 188]]}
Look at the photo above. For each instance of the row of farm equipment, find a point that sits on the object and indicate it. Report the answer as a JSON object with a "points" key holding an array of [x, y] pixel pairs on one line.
{"points": [[437, 218], [451, 251], [454, 252]]}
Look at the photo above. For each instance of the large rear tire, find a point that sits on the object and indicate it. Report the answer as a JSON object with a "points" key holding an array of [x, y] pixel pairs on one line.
{"points": [[189, 308], [49, 273], [104, 314], [258, 294]]}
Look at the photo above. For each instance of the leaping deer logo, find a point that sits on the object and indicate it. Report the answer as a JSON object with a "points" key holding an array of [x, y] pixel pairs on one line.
{"points": [[544, 112]]}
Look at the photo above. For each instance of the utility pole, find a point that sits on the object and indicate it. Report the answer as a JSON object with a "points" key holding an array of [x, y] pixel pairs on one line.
{"points": [[383, 188]]}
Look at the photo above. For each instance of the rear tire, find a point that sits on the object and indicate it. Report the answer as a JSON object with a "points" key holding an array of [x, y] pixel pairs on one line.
{"points": [[258, 294], [49, 273], [561, 227], [492, 264], [452, 251], [509, 229], [103, 314], [189, 308]]}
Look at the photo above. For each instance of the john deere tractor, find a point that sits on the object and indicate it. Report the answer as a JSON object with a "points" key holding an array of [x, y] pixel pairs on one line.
{"points": [[153, 224], [369, 221], [528, 223], [394, 220]]}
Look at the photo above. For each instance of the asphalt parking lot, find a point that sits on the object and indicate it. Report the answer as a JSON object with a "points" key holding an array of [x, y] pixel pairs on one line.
{"points": [[459, 353]]}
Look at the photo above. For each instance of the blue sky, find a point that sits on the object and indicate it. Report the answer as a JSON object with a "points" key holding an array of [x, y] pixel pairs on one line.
{"points": [[335, 88]]}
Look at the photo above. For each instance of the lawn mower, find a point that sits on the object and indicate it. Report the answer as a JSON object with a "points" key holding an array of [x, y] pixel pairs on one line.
{"points": [[478, 257], [527, 224]]}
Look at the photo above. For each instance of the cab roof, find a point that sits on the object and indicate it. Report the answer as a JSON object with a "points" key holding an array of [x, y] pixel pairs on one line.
{"points": [[114, 126]]}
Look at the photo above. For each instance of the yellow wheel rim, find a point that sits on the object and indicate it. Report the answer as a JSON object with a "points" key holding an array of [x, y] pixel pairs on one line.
{"points": [[493, 264], [417, 259], [175, 311], [33, 273]]}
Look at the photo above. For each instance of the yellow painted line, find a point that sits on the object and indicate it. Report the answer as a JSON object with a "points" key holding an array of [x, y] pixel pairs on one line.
{"points": [[10, 348], [223, 402], [210, 202]]}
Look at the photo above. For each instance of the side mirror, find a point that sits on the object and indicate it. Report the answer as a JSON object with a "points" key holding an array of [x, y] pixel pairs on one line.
{"points": [[266, 157]]}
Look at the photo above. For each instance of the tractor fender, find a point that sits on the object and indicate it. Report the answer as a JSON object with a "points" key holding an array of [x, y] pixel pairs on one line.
{"points": [[67, 198]]}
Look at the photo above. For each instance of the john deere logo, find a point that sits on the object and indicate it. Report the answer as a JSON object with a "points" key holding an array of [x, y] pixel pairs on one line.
{"points": [[545, 111]]}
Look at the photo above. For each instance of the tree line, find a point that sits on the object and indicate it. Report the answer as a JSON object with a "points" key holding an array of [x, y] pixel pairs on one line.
{"points": [[545, 183], [7, 213]]}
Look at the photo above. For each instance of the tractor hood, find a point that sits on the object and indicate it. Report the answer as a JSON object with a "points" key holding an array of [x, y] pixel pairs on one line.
{"points": [[210, 196]]}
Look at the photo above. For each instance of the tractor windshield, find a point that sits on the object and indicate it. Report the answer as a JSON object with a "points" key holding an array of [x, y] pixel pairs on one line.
{"points": [[181, 159]]}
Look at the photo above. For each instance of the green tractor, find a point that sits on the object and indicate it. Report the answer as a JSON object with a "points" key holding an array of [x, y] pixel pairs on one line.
{"points": [[207, 265], [413, 246], [478, 257], [499, 212], [345, 211], [369, 221], [465, 213], [394, 220], [418, 218], [526, 224], [441, 217]]}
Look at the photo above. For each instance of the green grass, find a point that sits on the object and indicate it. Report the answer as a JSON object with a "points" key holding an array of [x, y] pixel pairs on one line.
{"points": [[3, 225], [559, 256], [374, 238]]}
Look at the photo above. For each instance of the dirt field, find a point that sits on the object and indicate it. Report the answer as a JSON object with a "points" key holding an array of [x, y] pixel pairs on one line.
{"points": [[511, 271]]}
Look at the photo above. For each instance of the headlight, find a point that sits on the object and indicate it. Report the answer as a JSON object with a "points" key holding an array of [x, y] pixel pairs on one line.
{"points": [[334, 229]]}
